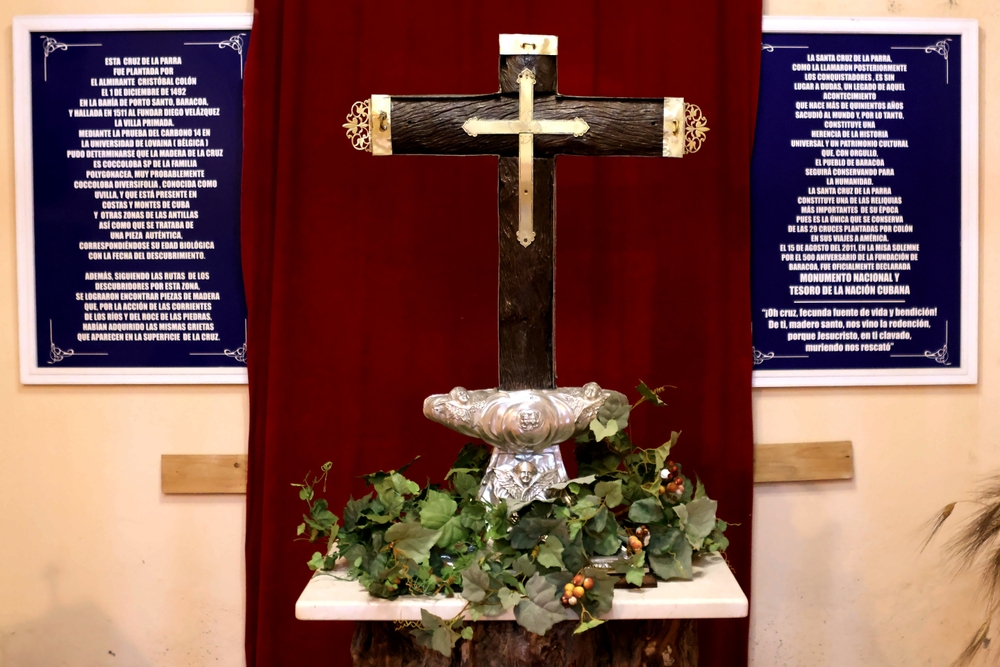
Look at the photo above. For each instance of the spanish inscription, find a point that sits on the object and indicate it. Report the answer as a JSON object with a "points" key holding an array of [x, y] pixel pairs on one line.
{"points": [[137, 152], [856, 207]]}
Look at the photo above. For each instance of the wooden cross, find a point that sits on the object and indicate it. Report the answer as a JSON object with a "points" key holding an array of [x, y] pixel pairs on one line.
{"points": [[527, 124]]}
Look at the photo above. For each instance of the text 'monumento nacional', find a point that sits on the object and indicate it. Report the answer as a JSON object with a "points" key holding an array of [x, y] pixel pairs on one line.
{"points": [[865, 203]]}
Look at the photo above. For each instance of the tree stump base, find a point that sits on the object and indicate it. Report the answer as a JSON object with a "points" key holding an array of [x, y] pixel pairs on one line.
{"points": [[641, 643]]}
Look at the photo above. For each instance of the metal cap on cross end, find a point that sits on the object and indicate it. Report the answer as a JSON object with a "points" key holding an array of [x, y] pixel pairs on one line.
{"points": [[529, 45]]}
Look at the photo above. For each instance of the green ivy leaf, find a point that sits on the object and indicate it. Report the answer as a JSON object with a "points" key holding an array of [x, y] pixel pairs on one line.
{"points": [[662, 538], [576, 481], [607, 544], [541, 608], [574, 526], [467, 633], [615, 407], [317, 561], [475, 583], [508, 598], [633, 567], [603, 592], [697, 519], [575, 555], [587, 625], [435, 633], [699, 489], [526, 533], [600, 534], [634, 576], [550, 553], [321, 516], [353, 511], [389, 503], [437, 512], [524, 567], [452, 532], [466, 485], [402, 486], [647, 510], [610, 491], [587, 507], [662, 453], [673, 565], [412, 540], [648, 394], [598, 523], [301, 529], [603, 431]]}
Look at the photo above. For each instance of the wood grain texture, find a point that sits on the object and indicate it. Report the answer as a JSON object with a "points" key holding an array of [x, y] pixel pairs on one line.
{"points": [[201, 473], [543, 67], [433, 125], [803, 462], [527, 282], [506, 644]]}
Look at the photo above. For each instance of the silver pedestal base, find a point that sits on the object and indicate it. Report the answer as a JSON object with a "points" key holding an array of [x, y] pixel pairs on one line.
{"points": [[524, 477], [525, 428]]}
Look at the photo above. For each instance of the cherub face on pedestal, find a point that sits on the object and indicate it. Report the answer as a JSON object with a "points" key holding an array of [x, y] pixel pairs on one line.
{"points": [[525, 472]]}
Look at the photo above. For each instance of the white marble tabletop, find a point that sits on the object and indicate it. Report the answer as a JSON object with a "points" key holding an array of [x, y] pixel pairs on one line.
{"points": [[713, 593]]}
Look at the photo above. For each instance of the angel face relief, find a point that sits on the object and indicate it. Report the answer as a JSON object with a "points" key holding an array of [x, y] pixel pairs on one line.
{"points": [[525, 427]]}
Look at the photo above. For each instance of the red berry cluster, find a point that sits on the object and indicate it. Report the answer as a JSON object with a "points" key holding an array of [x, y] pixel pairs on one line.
{"points": [[671, 480], [574, 590]]}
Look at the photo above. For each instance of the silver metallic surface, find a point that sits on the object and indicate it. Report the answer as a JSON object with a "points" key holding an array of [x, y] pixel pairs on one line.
{"points": [[525, 427]]}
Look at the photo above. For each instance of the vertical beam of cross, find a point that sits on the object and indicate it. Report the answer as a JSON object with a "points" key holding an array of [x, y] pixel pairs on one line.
{"points": [[526, 284]]}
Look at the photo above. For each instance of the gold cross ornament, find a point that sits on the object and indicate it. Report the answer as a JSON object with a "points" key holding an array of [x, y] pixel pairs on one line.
{"points": [[526, 127]]}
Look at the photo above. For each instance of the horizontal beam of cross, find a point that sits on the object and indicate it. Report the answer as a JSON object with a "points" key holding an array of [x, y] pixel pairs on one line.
{"points": [[433, 126]]}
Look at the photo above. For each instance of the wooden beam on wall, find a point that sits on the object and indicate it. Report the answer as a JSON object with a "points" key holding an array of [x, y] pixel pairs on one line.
{"points": [[803, 462], [200, 473], [792, 462]]}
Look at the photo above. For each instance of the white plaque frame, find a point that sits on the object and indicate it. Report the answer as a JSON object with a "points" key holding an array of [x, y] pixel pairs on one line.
{"points": [[31, 372], [967, 372]]}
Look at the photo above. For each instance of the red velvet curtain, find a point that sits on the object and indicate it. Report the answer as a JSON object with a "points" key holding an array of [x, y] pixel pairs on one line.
{"points": [[372, 282]]}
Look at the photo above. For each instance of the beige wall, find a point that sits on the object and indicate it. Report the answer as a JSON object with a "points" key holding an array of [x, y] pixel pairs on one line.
{"points": [[837, 578], [93, 559]]}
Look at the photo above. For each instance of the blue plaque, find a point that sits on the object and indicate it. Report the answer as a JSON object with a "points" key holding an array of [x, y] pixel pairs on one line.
{"points": [[129, 133], [864, 203]]}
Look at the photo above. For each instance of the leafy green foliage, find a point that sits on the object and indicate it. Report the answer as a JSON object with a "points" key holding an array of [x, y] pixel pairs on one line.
{"points": [[437, 633], [541, 608], [404, 539]]}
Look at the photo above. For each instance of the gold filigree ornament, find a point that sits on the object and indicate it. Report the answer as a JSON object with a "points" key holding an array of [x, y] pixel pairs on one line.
{"points": [[358, 126], [695, 127]]}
